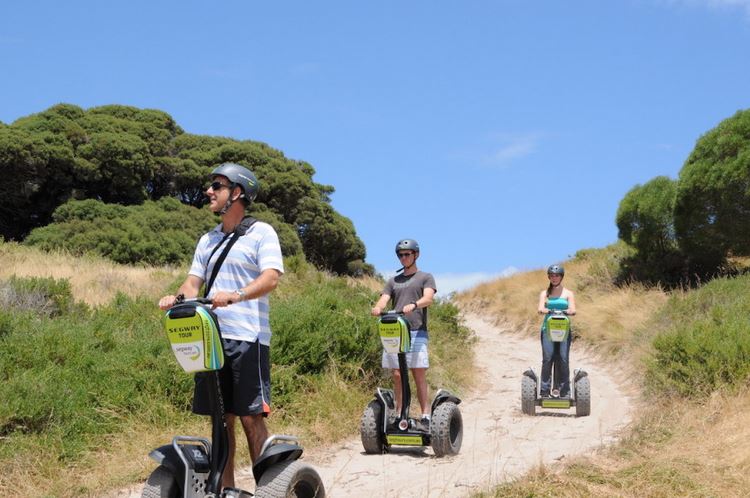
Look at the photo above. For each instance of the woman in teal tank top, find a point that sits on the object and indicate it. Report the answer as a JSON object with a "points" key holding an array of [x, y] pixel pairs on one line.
{"points": [[555, 297]]}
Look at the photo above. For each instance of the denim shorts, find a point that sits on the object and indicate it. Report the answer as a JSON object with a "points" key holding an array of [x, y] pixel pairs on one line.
{"points": [[416, 357]]}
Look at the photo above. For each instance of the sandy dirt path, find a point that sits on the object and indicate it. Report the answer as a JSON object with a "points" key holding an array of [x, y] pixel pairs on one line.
{"points": [[499, 442]]}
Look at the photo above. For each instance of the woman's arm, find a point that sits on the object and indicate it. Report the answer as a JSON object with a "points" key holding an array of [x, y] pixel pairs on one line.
{"points": [[542, 308]]}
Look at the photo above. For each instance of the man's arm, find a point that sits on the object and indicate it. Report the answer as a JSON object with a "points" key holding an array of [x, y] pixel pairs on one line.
{"points": [[382, 302], [428, 295], [267, 281]]}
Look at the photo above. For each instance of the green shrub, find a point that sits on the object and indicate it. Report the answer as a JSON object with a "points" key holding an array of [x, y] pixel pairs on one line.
{"points": [[70, 381], [43, 295], [706, 342], [323, 320], [81, 375], [155, 233]]}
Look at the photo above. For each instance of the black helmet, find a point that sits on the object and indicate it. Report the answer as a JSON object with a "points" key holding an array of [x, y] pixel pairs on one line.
{"points": [[407, 245], [241, 176], [556, 270]]}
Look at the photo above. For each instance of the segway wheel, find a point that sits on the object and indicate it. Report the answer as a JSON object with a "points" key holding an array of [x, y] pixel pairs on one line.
{"points": [[447, 429], [290, 479], [371, 426], [583, 397], [160, 484], [528, 396]]}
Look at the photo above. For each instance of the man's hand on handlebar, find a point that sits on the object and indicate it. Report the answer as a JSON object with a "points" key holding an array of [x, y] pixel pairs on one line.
{"points": [[375, 311], [409, 308], [167, 302], [222, 298]]}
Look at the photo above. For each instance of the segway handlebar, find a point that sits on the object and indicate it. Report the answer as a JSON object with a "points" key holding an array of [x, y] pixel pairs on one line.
{"points": [[200, 300], [557, 313], [391, 312]]}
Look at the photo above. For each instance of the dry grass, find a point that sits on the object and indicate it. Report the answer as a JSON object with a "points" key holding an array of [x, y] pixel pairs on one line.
{"points": [[93, 280], [675, 450], [606, 315], [372, 283]]}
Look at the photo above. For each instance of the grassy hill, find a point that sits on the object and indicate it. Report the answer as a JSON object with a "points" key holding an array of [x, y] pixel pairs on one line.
{"points": [[687, 352], [89, 385]]}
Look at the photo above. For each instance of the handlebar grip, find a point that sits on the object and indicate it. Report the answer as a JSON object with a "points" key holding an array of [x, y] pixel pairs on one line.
{"points": [[199, 300]]}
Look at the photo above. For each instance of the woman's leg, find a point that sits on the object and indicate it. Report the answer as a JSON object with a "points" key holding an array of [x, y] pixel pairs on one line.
{"points": [[548, 349], [564, 367]]}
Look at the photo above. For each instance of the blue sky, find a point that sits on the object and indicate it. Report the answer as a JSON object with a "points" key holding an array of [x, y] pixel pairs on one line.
{"points": [[499, 134]]}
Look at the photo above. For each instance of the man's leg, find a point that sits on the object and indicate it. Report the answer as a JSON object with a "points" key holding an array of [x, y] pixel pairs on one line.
{"points": [[255, 432], [227, 479], [420, 379]]}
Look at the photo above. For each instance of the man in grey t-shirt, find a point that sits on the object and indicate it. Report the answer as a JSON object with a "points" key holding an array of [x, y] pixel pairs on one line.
{"points": [[411, 292]]}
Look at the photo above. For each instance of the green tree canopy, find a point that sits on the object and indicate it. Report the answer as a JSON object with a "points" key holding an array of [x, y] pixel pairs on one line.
{"points": [[645, 222], [645, 216], [690, 227], [712, 208], [124, 155]]}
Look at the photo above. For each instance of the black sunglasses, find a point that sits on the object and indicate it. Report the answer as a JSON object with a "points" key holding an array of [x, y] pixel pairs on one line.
{"points": [[215, 186], [404, 254]]}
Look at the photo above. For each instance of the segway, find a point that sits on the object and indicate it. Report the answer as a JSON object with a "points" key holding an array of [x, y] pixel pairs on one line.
{"points": [[379, 431], [192, 467], [557, 330]]}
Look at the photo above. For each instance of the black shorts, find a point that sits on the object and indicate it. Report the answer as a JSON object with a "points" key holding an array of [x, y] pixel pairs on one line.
{"points": [[245, 380]]}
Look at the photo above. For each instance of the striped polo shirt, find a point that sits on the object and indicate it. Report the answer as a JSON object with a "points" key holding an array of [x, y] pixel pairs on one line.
{"points": [[254, 252]]}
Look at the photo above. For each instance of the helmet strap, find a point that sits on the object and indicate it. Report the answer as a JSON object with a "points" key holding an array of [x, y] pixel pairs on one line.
{"points": [[226, 207], [230, 201]]}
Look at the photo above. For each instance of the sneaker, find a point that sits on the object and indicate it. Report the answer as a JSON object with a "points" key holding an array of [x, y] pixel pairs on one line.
{"points": [[424, 424]]}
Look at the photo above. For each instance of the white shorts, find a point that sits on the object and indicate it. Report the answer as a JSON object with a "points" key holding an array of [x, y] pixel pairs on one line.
{"points": [[417, 355]]}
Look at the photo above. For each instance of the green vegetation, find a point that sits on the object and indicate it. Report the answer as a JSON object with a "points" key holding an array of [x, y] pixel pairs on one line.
{"points": [[704, 343], [115, 156], [155, 233], [645, 222], [76, 380]]}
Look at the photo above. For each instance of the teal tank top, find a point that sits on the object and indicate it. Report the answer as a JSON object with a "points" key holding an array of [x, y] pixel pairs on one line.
{"points": [[557, 303], [554, 303]]}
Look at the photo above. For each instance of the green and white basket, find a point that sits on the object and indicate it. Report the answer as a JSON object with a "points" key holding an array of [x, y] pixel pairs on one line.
{"points": [[193, 331]]}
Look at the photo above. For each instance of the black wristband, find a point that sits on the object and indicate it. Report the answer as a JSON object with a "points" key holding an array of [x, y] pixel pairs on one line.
{"points": [[416, 306]]}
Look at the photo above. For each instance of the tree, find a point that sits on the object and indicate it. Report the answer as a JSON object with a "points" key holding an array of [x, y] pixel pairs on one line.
{"points": [[644, 217], [38, 173], [712, 206], [328, 238], [645, 222], [125, 155]]}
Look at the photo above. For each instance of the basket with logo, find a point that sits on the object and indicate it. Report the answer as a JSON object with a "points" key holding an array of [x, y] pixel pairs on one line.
{"points": [[193, 331]]}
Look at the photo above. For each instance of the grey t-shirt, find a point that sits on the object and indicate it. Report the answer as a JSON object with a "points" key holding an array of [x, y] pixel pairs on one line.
{"points": [[405, 289]]}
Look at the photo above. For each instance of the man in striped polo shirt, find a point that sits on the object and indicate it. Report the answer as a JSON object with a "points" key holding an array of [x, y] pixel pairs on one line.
{"points": [[239, 291]]}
